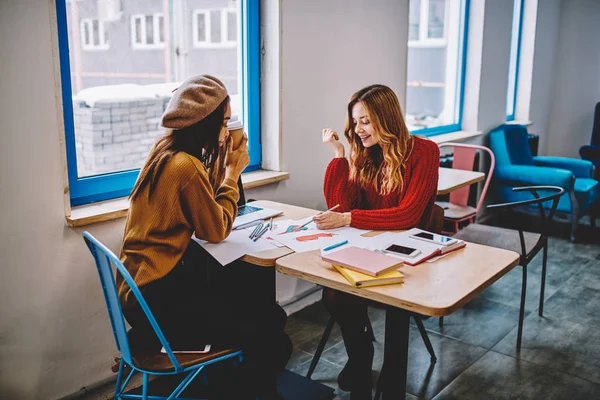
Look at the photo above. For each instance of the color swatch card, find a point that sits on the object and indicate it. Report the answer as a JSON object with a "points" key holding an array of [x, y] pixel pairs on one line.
{"points": [[308, 240]]}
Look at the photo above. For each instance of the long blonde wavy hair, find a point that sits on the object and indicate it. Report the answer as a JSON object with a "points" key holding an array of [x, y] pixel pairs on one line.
{"points": [[380, 165]]}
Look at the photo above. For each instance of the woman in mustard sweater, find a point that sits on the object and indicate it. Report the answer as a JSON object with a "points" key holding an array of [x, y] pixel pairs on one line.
{"points": [[187, 186]]}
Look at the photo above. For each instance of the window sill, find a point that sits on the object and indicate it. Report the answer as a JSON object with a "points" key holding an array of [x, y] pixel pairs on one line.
{"points": [[514, 122], [117, 208], [458, 136]]}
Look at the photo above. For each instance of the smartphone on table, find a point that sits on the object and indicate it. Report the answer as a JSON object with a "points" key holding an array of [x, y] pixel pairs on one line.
{"points": [[404, 251], [434, 238]]}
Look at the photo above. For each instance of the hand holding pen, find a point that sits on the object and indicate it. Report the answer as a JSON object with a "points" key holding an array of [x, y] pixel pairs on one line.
{"points": [[313, 218]]}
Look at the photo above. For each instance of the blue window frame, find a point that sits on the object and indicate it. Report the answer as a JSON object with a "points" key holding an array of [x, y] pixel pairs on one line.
{"points": [[515, 51], [105, 186], [436, 80]]}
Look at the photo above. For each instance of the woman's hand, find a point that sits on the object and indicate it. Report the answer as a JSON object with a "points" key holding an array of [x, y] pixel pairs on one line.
{"points": [[330, 220], [236, 160], [331, 137]]}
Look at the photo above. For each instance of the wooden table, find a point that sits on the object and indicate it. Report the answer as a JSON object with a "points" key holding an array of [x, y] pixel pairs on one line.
{"points": [[437, 289], [453, 179]]}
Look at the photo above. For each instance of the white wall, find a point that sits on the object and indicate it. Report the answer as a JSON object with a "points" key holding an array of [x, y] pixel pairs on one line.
{"points": [[54, 335], [330, 49], [576, 83], [544, 67]]}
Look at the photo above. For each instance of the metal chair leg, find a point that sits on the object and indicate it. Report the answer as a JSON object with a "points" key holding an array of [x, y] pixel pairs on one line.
{"points": [[543, 288], [574, 225], [320, 347], [425, 337], [145, 387], [370, 330], [522, 309]]}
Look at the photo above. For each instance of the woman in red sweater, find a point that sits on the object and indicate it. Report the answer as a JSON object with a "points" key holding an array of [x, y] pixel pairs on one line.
{"points": [[389, 183]]}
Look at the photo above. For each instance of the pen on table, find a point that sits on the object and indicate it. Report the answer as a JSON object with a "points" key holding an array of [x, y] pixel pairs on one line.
{"points": [[333, 246], [271, 224], [256, 230], [310, 220], [262, 232], [247, 225]]}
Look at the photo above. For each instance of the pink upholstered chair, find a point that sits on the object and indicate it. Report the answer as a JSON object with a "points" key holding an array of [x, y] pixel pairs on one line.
{"points": [[457, 209]]}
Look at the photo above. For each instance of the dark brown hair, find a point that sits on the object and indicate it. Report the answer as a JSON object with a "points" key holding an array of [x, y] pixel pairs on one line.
{"points": [[200, 140]]}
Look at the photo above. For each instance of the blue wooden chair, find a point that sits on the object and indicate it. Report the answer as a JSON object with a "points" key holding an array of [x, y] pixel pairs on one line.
{"points": [[154, 363]]}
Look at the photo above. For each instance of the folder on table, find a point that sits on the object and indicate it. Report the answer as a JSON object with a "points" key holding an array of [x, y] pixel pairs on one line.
{"points": [[361, 280]]}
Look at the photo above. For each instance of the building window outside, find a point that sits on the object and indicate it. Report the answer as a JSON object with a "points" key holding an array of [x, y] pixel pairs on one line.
{"points": [[436, 59], [427, 22], [113, 100], [513, 69], [148, 31], [215, 28], [94, 36]]}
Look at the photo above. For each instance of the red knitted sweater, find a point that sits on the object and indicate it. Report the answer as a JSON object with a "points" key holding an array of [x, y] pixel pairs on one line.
{"points": [[402, 209]]}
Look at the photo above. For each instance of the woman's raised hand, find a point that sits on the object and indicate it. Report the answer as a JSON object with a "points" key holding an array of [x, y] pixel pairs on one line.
{"points": [[236, 160], [331, 137]]}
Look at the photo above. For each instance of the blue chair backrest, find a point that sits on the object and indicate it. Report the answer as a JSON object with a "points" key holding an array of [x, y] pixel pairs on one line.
{"points": [[510, 144], [104, 260]]}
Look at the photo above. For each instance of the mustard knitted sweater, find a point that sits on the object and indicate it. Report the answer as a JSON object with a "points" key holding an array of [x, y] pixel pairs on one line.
{"points": [[159, 228]]}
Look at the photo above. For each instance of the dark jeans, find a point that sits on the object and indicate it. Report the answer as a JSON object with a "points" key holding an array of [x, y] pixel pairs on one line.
{"points": [[201, 302]]}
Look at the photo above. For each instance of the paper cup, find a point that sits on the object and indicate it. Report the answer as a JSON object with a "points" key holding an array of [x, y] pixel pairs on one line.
{"points": [[236, 131]]}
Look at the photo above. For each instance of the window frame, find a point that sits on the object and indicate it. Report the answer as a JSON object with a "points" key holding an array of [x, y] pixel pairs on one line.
{"points": [[223, 14], [155, 31], [107, 186], [424, 40], [461, 69], [89, 24], [515, 55]]}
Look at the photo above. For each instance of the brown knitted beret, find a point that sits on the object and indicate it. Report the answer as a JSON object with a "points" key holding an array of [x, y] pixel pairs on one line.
{"points": [[195, 99]]}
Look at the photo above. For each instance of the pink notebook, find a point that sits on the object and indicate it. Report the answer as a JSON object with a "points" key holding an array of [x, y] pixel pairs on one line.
{"points": [[362, 260]]}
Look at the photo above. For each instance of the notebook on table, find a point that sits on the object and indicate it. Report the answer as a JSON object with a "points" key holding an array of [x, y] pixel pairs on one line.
{"points": [[362, 260], [249, 213], [361, 280]]}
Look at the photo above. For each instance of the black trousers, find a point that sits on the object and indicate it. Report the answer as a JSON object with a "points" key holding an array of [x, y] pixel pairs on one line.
{"points": [[350, 312], [202, 302]]}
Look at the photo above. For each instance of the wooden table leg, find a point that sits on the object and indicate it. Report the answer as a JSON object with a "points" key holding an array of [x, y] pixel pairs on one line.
{"points": [[395, 357]]}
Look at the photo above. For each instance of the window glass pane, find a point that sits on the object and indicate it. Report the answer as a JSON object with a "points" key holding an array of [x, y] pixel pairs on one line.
{"points": [[414, 19], [96, 35], [201, 27], [149, 29], [215, 26], [120, 94], [86, 33], [513, 63], [231, 26], [138, 30], [434, 75], [161, 29], [435, 26]]}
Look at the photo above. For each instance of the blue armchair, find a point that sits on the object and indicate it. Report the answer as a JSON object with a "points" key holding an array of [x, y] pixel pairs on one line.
{"points": [[515, 166], [591, 152]]}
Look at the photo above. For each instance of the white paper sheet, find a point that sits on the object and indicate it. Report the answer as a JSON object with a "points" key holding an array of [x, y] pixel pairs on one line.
{"points": [[237, 245]]}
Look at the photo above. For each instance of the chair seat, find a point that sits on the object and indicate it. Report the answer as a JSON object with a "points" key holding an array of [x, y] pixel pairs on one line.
{"points": [[159, 362], [497, 237], [455, 211]]}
